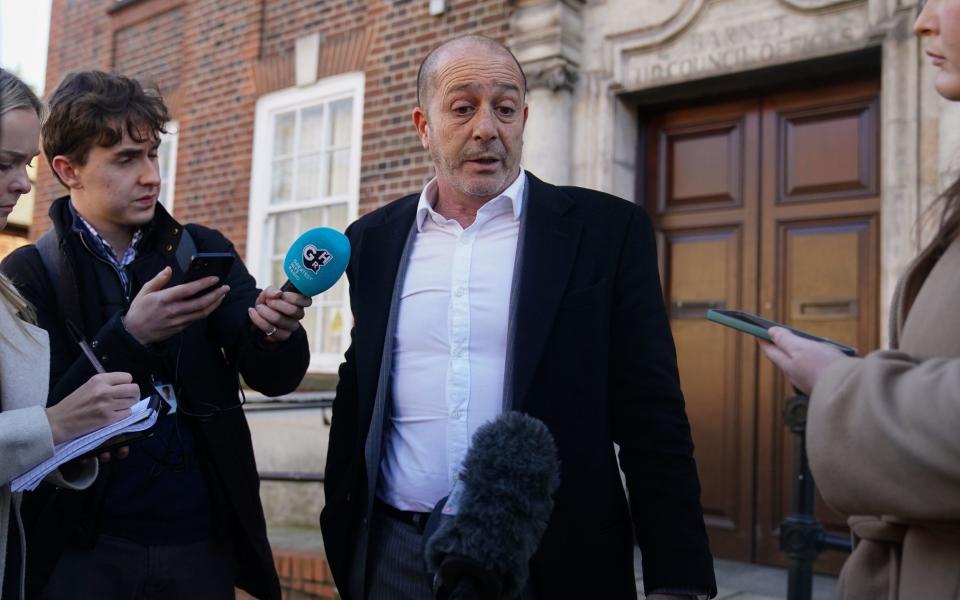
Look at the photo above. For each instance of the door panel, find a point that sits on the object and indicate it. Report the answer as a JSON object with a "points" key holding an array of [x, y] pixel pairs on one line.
{"points": [[704, 273], [827, 152], [705, 229], [819, 264], [767, 205], [715, 152]]}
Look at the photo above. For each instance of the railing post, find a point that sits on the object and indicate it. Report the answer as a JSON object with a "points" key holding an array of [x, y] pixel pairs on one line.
{"points": [[802, 537]]}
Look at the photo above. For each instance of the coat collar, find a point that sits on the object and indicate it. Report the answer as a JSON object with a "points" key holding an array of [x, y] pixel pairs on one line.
{"points": [[549, 249], [381, 247], [162, 234]]}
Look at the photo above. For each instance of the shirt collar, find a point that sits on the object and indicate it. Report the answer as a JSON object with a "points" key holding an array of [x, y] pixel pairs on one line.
{"points": [[428, 198], [100, 244]]}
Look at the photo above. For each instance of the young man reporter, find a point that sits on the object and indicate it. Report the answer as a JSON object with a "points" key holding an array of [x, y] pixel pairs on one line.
{"points": [[181, 516]]}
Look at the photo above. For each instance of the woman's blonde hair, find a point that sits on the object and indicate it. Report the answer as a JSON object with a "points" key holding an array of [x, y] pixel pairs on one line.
{"points": [[15, 94]]}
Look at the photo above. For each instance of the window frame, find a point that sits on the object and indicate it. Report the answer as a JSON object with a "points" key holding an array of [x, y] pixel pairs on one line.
{"points": [[168, 185], [259, 240]]}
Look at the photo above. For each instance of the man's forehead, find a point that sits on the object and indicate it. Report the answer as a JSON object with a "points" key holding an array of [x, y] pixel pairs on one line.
{"points": [[473, 71]]}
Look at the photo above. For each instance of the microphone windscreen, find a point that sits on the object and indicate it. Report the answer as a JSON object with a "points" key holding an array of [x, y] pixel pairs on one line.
{"points": [[508, 479], [316, 260]]}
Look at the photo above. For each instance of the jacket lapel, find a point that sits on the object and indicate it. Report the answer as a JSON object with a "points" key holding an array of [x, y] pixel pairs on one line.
{"points": [[549, 248], [381, 249]]}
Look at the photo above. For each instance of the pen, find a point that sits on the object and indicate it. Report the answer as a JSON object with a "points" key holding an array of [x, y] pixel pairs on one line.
{"points": [[84, 347]]}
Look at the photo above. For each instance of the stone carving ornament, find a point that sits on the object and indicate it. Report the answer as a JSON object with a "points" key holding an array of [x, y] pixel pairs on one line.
{"points": [[815, 4], [688, 11]]}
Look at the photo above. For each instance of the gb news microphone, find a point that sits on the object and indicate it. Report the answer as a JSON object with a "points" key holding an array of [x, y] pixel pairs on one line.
{"points": [[479, 541], [315, 261]]}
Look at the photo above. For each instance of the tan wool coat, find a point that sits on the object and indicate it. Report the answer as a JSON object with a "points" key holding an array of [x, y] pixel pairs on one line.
{"points": [[25, 437], [883, 436]]}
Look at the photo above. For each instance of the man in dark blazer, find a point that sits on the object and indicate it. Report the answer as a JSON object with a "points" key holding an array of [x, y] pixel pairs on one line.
{"points": [[585, 347]]}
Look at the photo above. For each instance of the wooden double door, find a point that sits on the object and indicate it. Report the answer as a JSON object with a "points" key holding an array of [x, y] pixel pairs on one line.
{"points": [[768, 205]]}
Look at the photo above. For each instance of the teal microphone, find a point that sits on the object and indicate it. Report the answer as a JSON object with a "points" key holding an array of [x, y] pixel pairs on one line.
{"points": [[315, 261]]}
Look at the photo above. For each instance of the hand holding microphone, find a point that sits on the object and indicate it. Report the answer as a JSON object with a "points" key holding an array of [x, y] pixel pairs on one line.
{"points": [[314, 262]]}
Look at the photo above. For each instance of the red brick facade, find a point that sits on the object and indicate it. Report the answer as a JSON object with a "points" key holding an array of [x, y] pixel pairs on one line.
{"points": [[212, 59]]}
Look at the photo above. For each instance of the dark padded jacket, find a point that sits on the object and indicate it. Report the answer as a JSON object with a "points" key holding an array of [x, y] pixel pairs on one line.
{"points": [[207, 356]]}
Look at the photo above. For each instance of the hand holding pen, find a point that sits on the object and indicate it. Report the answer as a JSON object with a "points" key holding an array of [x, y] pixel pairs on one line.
{"points": [[103, 399]]}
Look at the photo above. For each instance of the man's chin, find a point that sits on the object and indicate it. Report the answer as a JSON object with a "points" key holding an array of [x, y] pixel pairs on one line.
{"points": [[142, 216], [486, 186]]}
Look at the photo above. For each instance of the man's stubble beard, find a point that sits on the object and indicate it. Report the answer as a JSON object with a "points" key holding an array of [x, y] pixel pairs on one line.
{"points": [[483, 188]]}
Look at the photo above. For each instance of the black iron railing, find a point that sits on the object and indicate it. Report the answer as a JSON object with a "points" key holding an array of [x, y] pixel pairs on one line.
{"points": [[802, 537]]}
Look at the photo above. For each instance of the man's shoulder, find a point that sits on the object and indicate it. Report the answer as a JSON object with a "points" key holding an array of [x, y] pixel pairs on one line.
{"points": [[208, 239], [385, 212], [587, 194], [22, 261], [581, 196], [602, 206]]}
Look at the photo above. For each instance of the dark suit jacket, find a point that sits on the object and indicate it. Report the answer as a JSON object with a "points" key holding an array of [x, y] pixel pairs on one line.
{"points": [[593, 359]]}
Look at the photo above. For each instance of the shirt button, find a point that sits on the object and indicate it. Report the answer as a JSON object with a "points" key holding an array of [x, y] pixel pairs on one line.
{"points": [[457, 413], [460, 291]]}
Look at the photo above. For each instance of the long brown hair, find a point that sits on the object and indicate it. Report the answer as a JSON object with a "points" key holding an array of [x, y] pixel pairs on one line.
{"points": [[15, 94], [949, 217]]}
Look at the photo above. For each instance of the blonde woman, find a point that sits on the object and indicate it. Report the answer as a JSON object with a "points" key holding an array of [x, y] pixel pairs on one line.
{"points": [[29, 430], [883, 431]]}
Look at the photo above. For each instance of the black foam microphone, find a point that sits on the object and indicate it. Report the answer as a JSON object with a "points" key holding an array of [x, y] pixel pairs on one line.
{"points": [[491, 524]]}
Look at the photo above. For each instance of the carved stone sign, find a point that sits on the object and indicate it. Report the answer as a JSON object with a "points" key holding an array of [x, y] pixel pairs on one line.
{"points": [[722, 40]]}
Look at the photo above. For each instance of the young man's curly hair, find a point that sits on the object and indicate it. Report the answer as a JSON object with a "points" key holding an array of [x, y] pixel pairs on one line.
{"points": [[95, 108]]}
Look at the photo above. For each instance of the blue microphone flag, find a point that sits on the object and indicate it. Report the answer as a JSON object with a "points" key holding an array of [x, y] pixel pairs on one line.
{"points": [[316, 260]]}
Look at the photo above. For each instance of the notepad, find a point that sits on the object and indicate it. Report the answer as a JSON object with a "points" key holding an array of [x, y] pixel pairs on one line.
{"points": [[142, 416]]}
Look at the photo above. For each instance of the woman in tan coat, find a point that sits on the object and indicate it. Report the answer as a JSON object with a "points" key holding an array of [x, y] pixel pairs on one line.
{"points": [[28, 429], [883, 431]]}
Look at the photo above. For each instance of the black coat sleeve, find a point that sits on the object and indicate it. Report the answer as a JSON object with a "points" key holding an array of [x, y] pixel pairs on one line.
{"points": [[650, 425], [273, 369], [113, 346]]}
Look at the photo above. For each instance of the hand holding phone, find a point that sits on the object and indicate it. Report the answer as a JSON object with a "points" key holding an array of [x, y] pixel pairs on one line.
{"points": [[801, 356], [206, 264], [161, 310], [758, 326]]}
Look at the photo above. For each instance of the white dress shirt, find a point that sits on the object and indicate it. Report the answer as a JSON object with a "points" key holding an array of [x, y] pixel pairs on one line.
{"points": [[450, 347]]}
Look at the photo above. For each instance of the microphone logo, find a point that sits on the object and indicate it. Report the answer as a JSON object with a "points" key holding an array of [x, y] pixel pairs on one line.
{"points": [[315, 258]]}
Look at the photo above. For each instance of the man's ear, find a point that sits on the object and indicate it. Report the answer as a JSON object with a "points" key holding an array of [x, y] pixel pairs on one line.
{"points": [[420, 122], [68, 173], [525, 109]]}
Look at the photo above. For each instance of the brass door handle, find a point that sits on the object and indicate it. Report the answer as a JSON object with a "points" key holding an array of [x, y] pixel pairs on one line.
{"points": [[693, 309], [824, 309]]}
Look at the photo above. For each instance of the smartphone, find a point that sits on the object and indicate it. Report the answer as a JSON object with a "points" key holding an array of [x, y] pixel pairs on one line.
{"points": [[205, 264], [758, 326]]}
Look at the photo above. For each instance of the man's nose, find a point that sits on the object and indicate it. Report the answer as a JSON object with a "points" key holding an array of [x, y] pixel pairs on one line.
{"points": [[151, 173], [485, 125]]}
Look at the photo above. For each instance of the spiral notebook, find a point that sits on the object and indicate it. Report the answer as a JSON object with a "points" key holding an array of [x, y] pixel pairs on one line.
{"points": [[142, 416]]}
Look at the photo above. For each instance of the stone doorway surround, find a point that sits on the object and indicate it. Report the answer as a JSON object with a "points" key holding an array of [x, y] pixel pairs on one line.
{"points": [[584, 57]]}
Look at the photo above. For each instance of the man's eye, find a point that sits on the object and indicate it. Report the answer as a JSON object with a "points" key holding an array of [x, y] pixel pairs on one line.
{"points": [[462, 110], [5, 166], [506, 110]]}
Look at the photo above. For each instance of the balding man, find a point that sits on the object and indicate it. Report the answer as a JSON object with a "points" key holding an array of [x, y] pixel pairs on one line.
{"points": [[490, 291]]}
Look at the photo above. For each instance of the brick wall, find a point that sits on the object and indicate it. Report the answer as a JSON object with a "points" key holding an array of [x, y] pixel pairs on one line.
{"points": [[202, 54], [303, 576]]}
